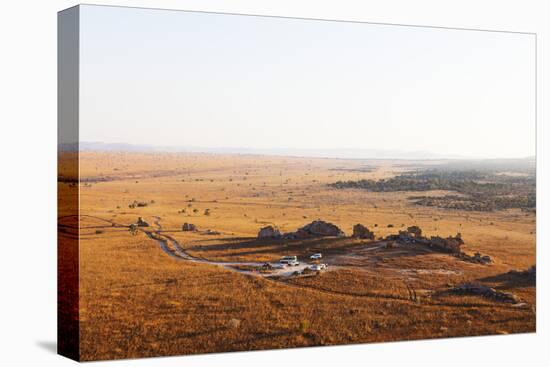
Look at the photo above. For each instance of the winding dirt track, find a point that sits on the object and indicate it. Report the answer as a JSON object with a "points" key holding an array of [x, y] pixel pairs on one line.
{"points": [[172, 248]]}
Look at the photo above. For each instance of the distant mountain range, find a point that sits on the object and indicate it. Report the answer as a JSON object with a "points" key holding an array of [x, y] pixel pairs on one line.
{"points": [[344, 153]]}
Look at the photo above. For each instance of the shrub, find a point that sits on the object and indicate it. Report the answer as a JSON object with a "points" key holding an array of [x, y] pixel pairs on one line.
{"points": [[304, 327], [235, 323], [133, 229]]}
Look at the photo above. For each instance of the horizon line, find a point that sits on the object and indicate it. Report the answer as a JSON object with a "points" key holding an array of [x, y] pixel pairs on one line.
{"points": [[278, 151]]}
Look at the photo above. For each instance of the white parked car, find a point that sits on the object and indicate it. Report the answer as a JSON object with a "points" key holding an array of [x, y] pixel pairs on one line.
{"points": [[293, 263], [288, 259], [318, 267], [316, 256]]}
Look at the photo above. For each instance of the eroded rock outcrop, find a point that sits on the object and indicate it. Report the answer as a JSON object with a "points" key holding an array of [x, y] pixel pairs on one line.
{"points": [[269, 232], [449, 244], [485, 291], [360, 231], [477, 258], [321, 228], [317, 228], [189, 227], [415, 231], [413, 235]]}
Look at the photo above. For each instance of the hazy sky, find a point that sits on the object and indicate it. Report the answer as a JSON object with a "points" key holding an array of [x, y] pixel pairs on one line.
{"points": [[191, 79]]}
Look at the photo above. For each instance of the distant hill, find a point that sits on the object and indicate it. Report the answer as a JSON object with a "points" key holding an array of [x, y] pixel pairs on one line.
{"points": [[344, 153], [105, 147]]}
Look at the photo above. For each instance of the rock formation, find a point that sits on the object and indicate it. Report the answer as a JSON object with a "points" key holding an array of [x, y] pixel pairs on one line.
{"points": [[269, 232], [137, 204], [360, 231], [321, 228], [449, 244], [188, 227], [211, 232], [415, 231], [488, 292], [413, 235], [317, 228], [142, 223]]}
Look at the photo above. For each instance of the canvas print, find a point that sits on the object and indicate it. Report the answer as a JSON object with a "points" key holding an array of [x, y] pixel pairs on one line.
{"points": [[236, 183]]}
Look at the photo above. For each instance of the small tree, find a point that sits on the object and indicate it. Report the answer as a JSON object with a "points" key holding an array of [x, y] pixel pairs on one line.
{"points": [[133, 229]]}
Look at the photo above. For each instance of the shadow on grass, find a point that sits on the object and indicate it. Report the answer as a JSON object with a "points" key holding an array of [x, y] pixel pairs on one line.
{"points": [[239, 246], [253, 246], [510, 280]]}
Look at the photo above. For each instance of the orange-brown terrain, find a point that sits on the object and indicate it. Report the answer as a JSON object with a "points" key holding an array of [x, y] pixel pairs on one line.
{"points": [[157, 290]]}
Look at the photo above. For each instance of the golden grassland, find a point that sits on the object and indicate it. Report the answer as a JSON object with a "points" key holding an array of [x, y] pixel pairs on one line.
{"points": [[137, 301]]}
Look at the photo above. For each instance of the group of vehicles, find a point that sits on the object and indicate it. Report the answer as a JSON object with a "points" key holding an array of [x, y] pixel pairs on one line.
{"points": [[287, 261]]}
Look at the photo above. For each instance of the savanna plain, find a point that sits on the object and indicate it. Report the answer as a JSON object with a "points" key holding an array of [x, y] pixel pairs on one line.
{"points": [[180, 252]]}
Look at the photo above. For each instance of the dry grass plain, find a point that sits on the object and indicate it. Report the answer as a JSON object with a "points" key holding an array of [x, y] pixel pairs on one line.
{"points": [[137, 301]]}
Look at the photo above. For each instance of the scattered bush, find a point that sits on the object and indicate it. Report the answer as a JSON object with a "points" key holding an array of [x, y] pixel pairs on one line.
{"points": [[481, 191], [304, 327]]}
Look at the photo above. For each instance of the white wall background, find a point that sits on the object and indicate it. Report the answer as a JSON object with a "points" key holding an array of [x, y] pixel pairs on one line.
{"points": [[28, 181]]}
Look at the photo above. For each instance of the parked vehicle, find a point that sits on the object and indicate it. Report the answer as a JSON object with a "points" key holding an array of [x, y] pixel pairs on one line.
{"points": [[293, 263], [318, 267], [279, 266], [316, 256], [288, 259]]}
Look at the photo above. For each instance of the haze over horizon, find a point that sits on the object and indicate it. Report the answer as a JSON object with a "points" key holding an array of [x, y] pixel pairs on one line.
{"points": [[227, 82], [339, 153]]}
